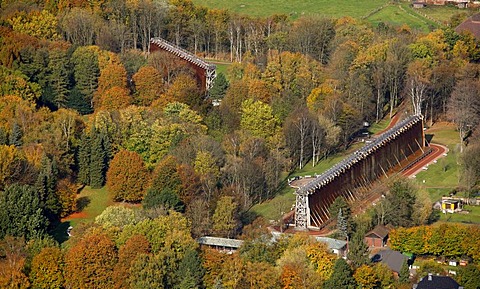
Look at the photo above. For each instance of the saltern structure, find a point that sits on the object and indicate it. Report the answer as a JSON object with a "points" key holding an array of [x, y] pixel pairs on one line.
{"points": [[358, 171], [205, 72]]}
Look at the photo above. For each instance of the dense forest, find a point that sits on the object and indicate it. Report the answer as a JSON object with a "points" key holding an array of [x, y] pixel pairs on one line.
{"points": [[84, 103]]}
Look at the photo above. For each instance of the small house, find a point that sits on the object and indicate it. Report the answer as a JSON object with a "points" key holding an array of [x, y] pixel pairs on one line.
{"points": [[451, 206], [377, 237], [338, 247], [418, 5], [220, 244], [393, 259], [437, 282]]}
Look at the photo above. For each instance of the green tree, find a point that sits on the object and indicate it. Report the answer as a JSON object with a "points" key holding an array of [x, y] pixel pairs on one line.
{"points": [[16, 135], [83, 159], [357, 249], [46, 186], [225, 217], [258, 119], [148, 271], [342, 276], [404, 273], [3, 136], [86, 72], [98, 159], [165, 198], [58, 78], [400, 202], [219, 88], [469, 277], [21, 213], [190, 271]]}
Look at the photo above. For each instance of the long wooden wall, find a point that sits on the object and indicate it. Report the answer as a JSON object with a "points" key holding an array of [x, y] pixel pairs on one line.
{"points": [[365, 171]]}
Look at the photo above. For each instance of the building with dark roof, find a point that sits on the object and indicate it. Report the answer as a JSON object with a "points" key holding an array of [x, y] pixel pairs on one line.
{"points": [[471, 25], [377, 237], [437, 282], [393, 259]]}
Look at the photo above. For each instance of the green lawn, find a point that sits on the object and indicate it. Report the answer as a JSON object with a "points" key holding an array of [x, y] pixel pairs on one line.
{"points": [[473, 217], [442, 13], [295, 8], [445, 173], [397, 15], [90, 203]]}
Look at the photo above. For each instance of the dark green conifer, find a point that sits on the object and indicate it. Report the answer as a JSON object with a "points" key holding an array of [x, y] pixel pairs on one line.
{"points": [[219, 88], [83, 158], [45, 186], [97, 161], [3, 136], [16, 135]]}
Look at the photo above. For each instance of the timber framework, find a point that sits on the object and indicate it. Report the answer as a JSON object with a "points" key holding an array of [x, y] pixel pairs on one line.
{"points": [[205, 72], [358, 171]]}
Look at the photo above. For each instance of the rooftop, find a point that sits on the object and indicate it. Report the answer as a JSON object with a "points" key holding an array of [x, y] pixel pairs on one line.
{"points": [[379, 231], [221, 242], [437, 282], [332, 244]]}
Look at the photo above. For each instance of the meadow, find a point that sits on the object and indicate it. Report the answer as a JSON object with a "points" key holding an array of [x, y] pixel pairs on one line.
{"points": [[395, 13]]}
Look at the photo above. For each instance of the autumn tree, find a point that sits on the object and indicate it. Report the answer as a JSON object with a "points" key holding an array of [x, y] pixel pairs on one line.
{"points": [[184, 89], [67, 197], [312, 36], [258, 119], [224, 219], [148, 85], [90, 262], [365, 277], [12, 266], [127, 177], [166, 175], [127, 254], [47, 269]]}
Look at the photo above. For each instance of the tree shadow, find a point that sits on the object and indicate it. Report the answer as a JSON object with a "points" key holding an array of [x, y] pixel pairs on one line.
{"points": [[59, 231], [429, 137], [82, 203]]}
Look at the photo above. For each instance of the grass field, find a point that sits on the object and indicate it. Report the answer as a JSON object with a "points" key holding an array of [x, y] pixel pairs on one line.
{"points": [[395, 13], [90, 203], [473, 216], [445, 173], [295, 8]]}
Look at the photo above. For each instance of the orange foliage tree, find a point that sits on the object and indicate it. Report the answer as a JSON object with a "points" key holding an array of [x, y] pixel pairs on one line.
{"points": [[148, 85], [127, 177], [136, 245], [90, 262], [46, 271], [113, 98]]}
